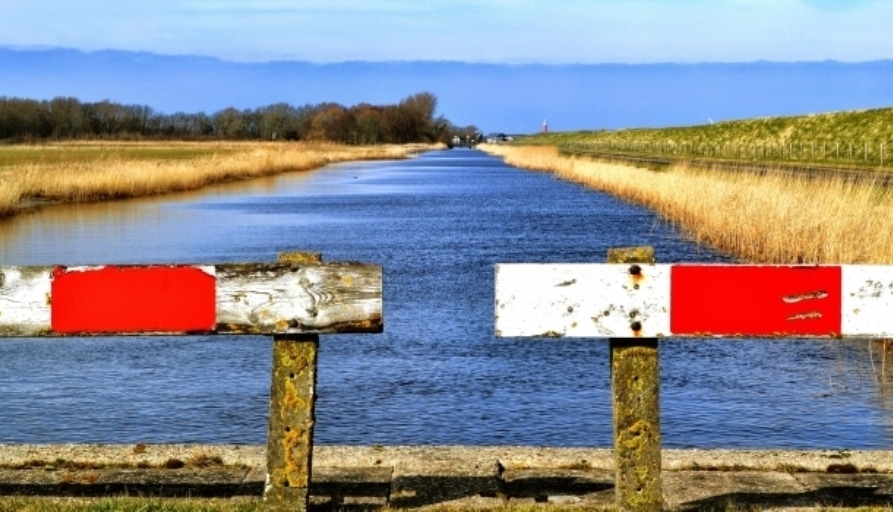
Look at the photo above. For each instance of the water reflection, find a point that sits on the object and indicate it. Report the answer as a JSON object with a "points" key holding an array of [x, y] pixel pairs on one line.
{"points": [[152, 229], [880, 368]]}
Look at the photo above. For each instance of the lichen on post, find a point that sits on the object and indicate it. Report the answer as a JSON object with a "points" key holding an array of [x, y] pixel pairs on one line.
{"points": [[635, 384], [290, 437], [292, 400]]}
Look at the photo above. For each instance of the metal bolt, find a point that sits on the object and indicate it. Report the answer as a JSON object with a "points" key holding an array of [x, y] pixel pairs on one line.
{"points": [[635, 270], [636, 326]]}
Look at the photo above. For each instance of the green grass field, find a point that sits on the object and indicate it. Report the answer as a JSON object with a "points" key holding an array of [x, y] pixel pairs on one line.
{"points": [[858, 138]]}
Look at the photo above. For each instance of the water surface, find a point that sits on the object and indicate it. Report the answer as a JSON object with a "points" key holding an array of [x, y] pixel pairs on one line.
{"points": [[437, 224]]}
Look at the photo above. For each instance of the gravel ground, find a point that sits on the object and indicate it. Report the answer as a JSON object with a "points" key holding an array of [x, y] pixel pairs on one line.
{"points": [[432, 457]]}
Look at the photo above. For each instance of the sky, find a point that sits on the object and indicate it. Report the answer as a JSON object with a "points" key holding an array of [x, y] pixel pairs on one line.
{"points": [[494, 31]]}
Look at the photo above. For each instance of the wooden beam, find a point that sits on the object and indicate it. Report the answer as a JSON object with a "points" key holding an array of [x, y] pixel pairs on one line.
{"points": [[694, 301], [275, 298]]}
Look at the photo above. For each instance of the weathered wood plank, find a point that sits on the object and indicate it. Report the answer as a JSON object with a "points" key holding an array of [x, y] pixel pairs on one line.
{"points": [[867, 301], [277, 298], [24, 301], [623, 300], [284, 298], [755, 300], [582, 300], [133, 299]]}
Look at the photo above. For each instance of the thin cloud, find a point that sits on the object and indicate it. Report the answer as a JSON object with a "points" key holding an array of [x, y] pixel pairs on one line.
{"points": [[502, 31]]}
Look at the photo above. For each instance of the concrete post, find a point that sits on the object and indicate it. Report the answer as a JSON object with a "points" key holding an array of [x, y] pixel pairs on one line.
{"points": [[292, 399], [635, 384]]}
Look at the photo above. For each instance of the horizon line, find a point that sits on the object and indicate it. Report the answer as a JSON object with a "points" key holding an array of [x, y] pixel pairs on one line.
{"points": [[47, 48]]}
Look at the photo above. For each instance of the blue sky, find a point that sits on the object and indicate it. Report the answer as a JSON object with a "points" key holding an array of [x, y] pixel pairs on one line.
{"points": [[495, 31]]}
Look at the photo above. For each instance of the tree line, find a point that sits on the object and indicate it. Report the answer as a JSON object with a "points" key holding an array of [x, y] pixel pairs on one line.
{"points": [[411, 120]]}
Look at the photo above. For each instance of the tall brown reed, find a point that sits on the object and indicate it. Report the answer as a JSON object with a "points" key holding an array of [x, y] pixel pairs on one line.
{"points": [[119, 174], [10, 194], [771, 219]]}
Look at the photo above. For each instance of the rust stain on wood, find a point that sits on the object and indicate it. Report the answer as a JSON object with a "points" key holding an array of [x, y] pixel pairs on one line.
{"points": [[800, 297]]}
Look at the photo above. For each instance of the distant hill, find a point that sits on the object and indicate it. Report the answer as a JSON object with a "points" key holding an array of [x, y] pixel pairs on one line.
{"points": [[841, 139], [505, 98]]}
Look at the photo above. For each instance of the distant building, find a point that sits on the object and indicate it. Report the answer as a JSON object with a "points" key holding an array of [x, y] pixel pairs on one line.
{"points": [[496, 138], [545, 126]]}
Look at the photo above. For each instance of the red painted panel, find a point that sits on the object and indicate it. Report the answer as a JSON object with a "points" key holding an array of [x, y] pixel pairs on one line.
{"points": [[755, 300], [133, 299]]}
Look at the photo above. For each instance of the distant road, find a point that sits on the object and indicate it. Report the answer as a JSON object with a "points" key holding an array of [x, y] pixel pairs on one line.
{"points": [[883, 178]]}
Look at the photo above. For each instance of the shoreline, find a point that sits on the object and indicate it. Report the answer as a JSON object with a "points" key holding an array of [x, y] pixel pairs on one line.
{"points": [[448, 478], [14, 455], [127, 173], [773, 219]]}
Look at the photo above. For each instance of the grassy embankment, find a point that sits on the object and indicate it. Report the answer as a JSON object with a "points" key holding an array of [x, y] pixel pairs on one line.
{"points": [[851, 139], [770, 219], [30, 504], [83, 172], [23, 504]]}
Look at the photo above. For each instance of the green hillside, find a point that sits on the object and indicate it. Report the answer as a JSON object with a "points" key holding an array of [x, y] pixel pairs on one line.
{"points": [[863, 138]]}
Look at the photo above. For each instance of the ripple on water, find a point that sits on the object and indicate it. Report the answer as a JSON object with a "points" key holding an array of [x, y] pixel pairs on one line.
{"points": [[437, 224]]}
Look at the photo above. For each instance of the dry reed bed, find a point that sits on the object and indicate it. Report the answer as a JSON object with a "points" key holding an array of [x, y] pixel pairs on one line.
{"points": [[118, 174], [769, 219]]}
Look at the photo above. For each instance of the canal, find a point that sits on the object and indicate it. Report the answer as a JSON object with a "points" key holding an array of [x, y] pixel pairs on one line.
{"points": [[437, 224]]}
